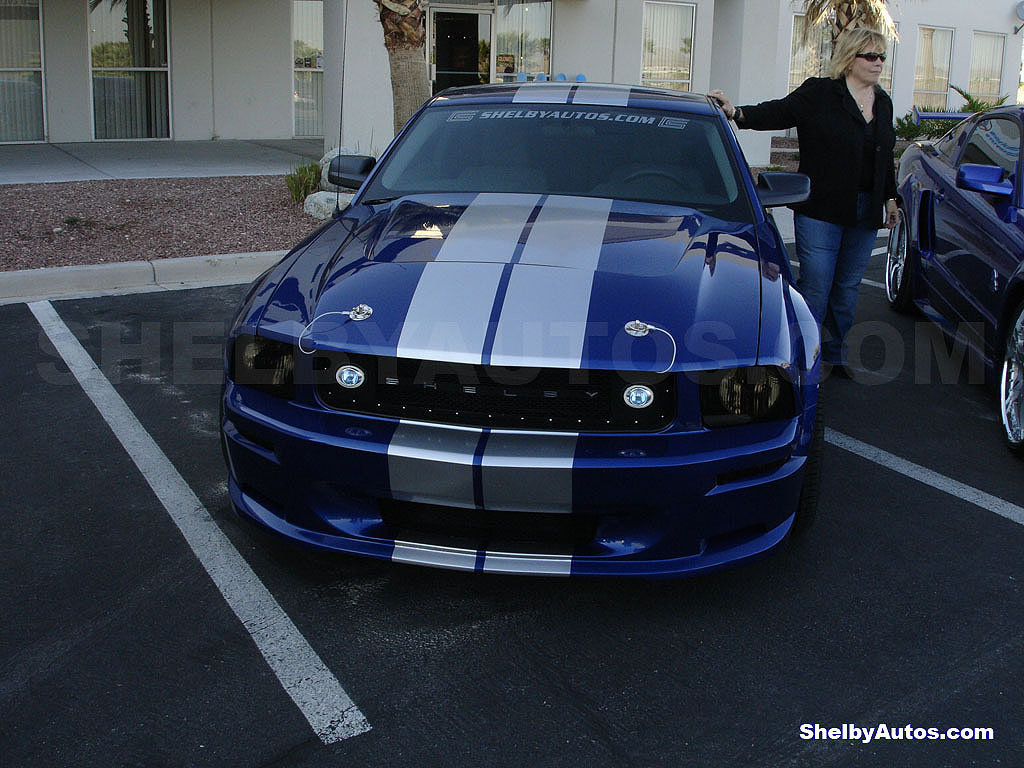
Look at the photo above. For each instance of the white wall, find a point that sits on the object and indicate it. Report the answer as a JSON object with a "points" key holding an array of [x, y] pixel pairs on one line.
{"points": [[231, 69], [964, 18], [191, 58], [747, 49], [366, 108], [252, 69], [583, 39], [231, 60], [68, 82]]}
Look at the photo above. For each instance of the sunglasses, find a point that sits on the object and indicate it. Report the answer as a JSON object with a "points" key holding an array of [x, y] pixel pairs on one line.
{"points": [[871, 56]]}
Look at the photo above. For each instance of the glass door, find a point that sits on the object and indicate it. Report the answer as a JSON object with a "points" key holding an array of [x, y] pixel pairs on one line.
{"points": [[460, 48]]}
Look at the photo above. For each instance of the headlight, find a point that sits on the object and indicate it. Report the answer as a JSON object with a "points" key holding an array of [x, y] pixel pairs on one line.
{"points": [[638, 396], [264, 364], [350, 376], [744, 395]]}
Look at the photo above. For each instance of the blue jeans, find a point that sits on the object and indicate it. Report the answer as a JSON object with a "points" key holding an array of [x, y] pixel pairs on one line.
{"points": [[832, 262]]}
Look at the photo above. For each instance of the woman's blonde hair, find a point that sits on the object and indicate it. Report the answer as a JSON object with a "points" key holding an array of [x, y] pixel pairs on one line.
{"points": [[851, 42]]}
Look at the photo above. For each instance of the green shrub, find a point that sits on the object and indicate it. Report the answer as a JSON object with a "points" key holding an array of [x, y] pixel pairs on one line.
{"points": [[907, 129], [928, 129], [932, 129], [975, 104], [303, 181]]}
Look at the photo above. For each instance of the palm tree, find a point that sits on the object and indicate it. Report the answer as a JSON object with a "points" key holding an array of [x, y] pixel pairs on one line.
{"points": [[405, 36], [840, 14]]}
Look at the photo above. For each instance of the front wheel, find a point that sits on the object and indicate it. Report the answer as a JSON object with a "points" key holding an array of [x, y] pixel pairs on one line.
{"points": [[1011, 384], [898, 267]]}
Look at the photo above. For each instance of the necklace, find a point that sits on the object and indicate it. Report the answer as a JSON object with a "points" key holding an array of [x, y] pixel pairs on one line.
{"points": [[862, 101]]}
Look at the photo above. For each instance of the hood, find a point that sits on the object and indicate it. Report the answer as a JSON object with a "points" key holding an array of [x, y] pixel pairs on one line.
{"points": [[528, 280]]}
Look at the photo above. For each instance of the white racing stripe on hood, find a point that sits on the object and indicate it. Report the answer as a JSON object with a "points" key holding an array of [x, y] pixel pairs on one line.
{"points": [[489, 228], [450, 311], [543, 320], [542, 94]]}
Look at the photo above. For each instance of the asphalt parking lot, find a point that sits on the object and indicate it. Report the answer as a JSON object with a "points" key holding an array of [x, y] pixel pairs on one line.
{"points": [[128, 643]]}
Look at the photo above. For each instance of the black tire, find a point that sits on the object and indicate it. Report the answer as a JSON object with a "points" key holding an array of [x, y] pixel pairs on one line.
{"points": [[899, 268], [1011, 384], [807, 508]]}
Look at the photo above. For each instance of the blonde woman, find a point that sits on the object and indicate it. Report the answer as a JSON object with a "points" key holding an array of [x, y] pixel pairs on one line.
{"points": [[845, 131]]}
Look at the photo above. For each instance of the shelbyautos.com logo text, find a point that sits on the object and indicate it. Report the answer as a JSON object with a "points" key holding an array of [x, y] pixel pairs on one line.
{"points": [[883, 732]]}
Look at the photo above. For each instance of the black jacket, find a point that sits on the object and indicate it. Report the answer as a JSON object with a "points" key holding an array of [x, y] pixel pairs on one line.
{"points": [[830, 129]]}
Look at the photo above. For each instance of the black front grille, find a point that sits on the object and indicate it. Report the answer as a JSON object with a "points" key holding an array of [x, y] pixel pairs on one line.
{"points": [[495, 397]]}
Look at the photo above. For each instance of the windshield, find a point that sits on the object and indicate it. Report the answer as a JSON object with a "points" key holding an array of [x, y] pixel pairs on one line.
{"points": [[629, 154]]}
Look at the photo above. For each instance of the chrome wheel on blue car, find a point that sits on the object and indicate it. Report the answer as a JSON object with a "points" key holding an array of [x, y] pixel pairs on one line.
{"points": [[1011, 385], [897, 273]]}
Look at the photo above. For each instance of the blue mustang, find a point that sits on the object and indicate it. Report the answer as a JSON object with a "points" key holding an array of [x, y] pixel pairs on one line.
{"points": [[958, 252], [554, 332]]}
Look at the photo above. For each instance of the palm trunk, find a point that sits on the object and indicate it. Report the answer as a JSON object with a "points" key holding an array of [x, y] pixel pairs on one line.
{"points": [[405, 35], [409, 83]]}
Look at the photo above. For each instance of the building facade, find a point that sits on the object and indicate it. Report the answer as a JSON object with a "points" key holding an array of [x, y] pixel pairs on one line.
{"points": [[98, 70]]}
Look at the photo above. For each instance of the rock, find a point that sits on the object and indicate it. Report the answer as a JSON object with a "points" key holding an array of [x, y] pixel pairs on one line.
{"points": [[321, 205]]}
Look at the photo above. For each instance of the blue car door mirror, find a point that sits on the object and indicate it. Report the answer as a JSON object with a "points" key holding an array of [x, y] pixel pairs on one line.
{"points": [[987, 179]]}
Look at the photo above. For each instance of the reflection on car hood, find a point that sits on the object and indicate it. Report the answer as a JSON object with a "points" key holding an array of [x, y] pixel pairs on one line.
{"points": [[528, 280]]}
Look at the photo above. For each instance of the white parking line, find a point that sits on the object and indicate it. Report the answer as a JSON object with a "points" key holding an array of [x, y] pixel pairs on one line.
{"points": [[304, 676], [961, 491]]}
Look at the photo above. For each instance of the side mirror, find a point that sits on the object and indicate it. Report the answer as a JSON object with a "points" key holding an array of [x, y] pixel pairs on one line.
{"points": [[350, 171], [778, 188], [983, 178]]}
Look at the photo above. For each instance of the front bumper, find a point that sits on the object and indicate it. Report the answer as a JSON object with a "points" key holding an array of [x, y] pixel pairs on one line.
{"points": [[670, 503]]}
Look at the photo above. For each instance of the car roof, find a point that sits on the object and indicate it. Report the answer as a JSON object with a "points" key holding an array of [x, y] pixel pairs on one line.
{"points": [[577, 94], [1003, 109]]}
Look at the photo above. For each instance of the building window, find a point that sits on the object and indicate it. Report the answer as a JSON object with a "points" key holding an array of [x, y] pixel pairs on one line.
{"points": [[128, 45], [523, 39], [21, 72], [931, 73], [986, 66], [308, 50], [811, 58], [668, 45]]}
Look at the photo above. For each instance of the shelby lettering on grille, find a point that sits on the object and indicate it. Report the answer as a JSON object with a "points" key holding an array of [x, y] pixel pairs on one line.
{"points": [[494, 396]]}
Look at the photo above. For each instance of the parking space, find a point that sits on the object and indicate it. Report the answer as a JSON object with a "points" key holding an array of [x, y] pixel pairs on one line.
{"points": [[903, 606]]}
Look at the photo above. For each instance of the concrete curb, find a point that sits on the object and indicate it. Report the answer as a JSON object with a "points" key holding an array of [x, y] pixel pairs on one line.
{"points": [[129, 276]]}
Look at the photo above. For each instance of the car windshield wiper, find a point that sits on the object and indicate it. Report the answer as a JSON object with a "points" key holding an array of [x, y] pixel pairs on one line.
{"points": [[378, 200]]}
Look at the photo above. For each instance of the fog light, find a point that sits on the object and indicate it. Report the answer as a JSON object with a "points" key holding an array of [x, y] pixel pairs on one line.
{"points": [[350, 377], [638, 396]]}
